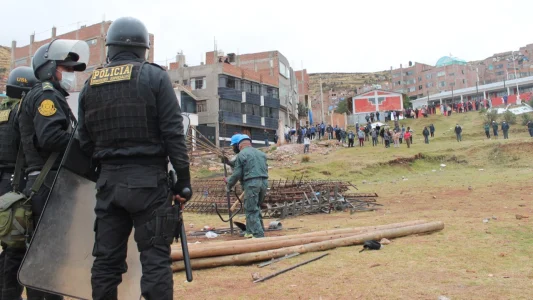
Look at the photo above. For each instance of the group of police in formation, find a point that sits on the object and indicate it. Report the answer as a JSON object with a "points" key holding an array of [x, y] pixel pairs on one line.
{"points": [[129, 122]]}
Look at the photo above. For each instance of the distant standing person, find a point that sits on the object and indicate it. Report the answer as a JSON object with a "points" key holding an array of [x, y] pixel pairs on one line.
{"points": [[374, 134], [377, 116], [361, 136], [407, 137], [530, 128], [351, 137], [458, 132], [495, 129], [265, 133], [425, 133], [487, 130], [432, 130], [505, 129], [307, 142]]}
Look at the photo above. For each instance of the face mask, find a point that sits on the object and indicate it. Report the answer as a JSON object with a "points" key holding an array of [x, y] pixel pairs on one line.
{"points": [[236, 149], [67, 80]]}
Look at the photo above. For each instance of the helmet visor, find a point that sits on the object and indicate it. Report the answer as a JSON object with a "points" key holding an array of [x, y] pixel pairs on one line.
{"points": [[72, 52]]}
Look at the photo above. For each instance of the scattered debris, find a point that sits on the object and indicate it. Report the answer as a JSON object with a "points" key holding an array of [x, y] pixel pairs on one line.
{"points": [[191, 225], [375, 265], [385, 241], [434, 197], [470, 188], [288, 269], [494, 218], [256, 276], [481, 170], [501, 254], [490, 275], [211, 235], [277, 259], [443, 298], [520, 217], [486, 220]]}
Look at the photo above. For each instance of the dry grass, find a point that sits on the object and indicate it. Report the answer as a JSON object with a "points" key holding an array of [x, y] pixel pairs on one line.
{"points": [[469, 259]]}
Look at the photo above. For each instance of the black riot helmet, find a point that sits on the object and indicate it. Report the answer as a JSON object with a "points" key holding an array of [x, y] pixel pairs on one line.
{"points": [[20, 81], [69, 53], [127, 34]]}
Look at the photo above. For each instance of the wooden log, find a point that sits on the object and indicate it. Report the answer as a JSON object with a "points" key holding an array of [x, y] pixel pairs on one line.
{"points": [[302, 235], [234, 206], [255, 245], [247, 258]]}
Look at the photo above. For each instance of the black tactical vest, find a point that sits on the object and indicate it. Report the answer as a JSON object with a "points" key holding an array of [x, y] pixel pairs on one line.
{"points": [[9, 137], [120, 110], [35, 158]]}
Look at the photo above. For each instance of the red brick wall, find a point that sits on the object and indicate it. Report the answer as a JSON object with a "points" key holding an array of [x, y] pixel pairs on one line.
{"points": [[210, 58], [251, 75], [232, 70]]}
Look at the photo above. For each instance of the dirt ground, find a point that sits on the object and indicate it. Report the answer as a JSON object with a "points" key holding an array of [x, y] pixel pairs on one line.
{"points": [[468, 259]]}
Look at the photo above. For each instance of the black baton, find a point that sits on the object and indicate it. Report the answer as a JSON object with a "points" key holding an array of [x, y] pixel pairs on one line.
{"points": [[182, 235]]}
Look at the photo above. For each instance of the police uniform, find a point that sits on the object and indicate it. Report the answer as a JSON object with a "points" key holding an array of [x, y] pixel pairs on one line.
{"points": [[252, 171], [19, 82], [130, 122]]}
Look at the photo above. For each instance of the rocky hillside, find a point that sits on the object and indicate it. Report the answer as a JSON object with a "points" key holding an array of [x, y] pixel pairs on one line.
{"points": [[345, 81], [5, 61]]}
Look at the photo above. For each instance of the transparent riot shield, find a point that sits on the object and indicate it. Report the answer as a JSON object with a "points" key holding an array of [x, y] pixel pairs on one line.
{"points": [[59, 257]]}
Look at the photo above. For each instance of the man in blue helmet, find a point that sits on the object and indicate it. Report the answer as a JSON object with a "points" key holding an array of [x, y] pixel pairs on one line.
{"points": [[251, 169]]}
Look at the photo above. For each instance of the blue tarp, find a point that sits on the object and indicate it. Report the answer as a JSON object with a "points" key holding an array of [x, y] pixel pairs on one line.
{"points": [[310, 116]]}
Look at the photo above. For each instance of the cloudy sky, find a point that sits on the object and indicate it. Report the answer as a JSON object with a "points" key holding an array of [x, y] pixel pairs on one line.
{"points": [[325, 36]]}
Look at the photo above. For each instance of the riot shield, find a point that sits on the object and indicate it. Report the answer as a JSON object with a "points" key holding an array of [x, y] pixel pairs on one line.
{"points": [[59, 257]]}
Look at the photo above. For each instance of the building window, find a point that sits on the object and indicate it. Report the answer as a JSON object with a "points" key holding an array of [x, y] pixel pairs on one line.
{"points": [[429, 84], [251, 109], [428, 76], [499, 73], [91, 42], [247, 86], [441, 73], [231, 106], [412, 89], [419, 78], [409, 73], [464, 81], [188, 104], [185, 82], [419, 87], [198, 83], [395, 75], [255, 88], [500, 66], [451, 74], [442, 83], [452, 83], [201, 106]]}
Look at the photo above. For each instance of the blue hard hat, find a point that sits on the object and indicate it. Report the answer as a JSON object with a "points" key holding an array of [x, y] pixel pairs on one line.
{"points": [[237, 138]]}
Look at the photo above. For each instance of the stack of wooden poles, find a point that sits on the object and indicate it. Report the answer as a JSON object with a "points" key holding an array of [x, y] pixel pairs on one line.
{"points": [[242, 252]]}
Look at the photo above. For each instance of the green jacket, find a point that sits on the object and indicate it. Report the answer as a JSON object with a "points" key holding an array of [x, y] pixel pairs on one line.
{"points": [[250, 163], [487, 127]]}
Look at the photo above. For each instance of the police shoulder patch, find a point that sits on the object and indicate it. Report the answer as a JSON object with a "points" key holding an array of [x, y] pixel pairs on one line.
{"points": [[47, 86], [111, 74], [4, 115], [47, 108]]}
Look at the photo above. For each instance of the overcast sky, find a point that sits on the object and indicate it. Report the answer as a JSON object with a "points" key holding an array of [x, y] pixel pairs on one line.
{"points": [[326, 36]]}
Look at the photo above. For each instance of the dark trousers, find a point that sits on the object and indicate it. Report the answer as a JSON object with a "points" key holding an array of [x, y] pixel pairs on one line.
{"points": [[432, 134], [350, 142], [374, 141], [506, 134], [361, 142], [487, 133], [426, 139], [531, 132], [126, 197], [254, 192]]}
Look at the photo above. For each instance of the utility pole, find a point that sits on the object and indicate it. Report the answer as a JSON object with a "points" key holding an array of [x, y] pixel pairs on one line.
{"points": [[321, 99], [518, 100]]}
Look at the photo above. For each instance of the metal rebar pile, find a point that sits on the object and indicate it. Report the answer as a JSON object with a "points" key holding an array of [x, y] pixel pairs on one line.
{"points": [[286, 198]]}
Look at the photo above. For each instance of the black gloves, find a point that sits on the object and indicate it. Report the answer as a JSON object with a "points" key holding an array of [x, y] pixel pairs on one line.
{"points": [[184, 182]]}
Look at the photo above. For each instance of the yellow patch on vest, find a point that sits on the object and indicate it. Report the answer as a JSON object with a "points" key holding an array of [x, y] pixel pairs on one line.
{"points": [[4, 115], [111, 74], [47, 108]]}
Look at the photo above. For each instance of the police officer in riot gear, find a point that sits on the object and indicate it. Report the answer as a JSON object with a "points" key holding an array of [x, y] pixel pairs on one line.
{"points": [[130, 122], [19, 83], [45, 119]]}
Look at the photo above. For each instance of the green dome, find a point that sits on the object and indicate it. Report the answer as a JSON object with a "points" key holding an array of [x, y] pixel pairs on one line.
{"points": [[448, 61]]}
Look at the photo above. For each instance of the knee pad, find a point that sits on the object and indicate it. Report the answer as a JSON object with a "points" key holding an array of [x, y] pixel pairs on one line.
{"points": [[161, 229]]}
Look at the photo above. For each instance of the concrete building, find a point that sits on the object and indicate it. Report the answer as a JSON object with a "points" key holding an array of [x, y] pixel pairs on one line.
{"points": [[418, 80], [230, 99], [303, 95], [505, 66], [496, 92], [270, 64], [94, 35]]}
